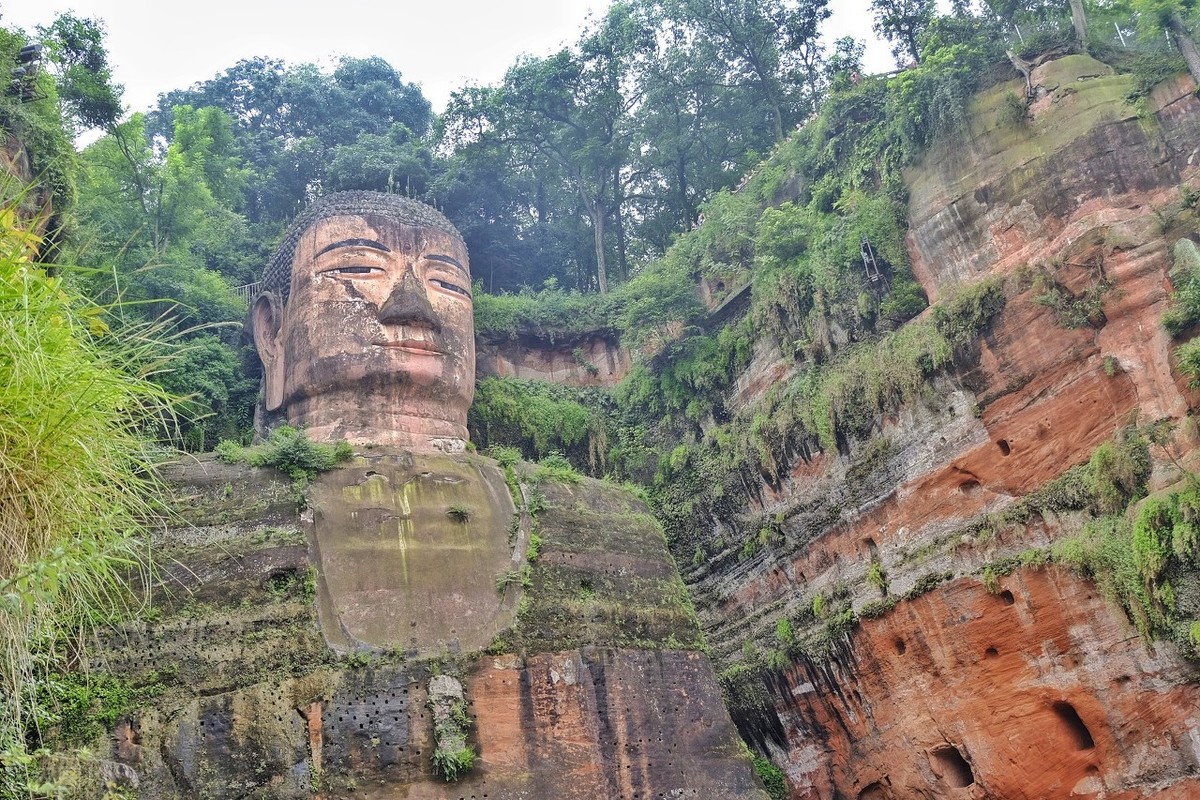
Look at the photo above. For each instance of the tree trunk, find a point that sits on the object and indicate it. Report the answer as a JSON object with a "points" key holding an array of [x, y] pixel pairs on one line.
{"points": [[596, 210], [914, 49], [686, 212], [1186, 44], [1080, 22], [618, 201]]}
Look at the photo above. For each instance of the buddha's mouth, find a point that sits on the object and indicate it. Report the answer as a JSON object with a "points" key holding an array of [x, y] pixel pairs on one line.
{"points": [[418, 346], [410, 338]]}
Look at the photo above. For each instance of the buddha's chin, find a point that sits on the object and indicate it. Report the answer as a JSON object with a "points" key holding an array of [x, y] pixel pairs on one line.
{"points": [[409, 430]]}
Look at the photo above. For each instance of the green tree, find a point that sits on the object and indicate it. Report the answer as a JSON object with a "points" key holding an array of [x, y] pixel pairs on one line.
{"points": [[85, 86], [1173, 17], [771, 46], [696, 133], [520, 218], [573, 109], [155, 234], [141, 211], [394, 162], [288, 123], [902, 22]]}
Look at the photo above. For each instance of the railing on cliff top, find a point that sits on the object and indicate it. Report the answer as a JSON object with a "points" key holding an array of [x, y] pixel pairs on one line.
{"points": [[248, 292]]}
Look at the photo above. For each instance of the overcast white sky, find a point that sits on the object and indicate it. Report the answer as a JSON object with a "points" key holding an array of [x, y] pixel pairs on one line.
{"points": [[155, 47]]}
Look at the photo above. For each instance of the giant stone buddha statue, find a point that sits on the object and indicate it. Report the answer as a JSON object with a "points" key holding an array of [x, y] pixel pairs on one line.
{"points": [[582, 676], [365, 324], [366, 333]]}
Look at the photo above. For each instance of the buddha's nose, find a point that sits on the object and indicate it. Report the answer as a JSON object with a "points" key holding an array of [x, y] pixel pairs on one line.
{"points": [[409, 305]]}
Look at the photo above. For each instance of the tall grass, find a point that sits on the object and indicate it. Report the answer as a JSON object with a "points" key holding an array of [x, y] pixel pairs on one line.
{"points": [[74, 480]]}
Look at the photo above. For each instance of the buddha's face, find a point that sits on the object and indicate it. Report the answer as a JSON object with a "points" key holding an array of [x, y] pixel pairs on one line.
{"points": [[379, 322]]}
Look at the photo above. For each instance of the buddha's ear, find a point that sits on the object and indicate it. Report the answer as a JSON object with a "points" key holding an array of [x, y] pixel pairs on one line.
{"points": [[267, 319]]}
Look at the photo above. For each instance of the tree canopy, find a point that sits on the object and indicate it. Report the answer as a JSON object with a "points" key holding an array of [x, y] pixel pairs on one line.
{"points": [[576, 172]]}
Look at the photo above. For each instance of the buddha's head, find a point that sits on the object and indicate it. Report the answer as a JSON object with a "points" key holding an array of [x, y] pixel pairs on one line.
{"points": [[365, 327]]}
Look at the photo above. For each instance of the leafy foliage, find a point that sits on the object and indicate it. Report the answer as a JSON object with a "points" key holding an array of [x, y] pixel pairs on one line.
{"points": [[772, 778], [1184, 310], [550, 314], [541, 418], [43, 129], [74, 403], [290, 451], [1139, 559], [85, 87]]}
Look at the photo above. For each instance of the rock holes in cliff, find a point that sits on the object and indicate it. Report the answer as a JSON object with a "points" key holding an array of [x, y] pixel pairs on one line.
{"points": [[1071, 723], [950, 766], [991, 652], [901, 647], [873, 792], [1007, 598], [872, 548], [969, 487]]}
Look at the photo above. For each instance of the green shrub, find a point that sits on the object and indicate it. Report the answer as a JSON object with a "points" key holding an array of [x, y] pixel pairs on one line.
{"points": [[453, 765], [905, 300], [538, 418], [535, 547], [1152, 68], [1184, 309], [877, 577], [556, 467], [772, 777], [783, 632], [290, 451], [1187, 360], [1075, 310], [1131, 560], [927, 583], [551, 314], [961, 315], [877, 608], [75, 403], [1117, 472]]}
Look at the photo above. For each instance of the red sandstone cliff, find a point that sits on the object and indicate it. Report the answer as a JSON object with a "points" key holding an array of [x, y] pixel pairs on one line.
{"points": [[1044, 690]]}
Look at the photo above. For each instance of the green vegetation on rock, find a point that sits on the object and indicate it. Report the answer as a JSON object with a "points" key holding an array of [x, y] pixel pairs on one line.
{"points": [[290, 451], [75, 404]]}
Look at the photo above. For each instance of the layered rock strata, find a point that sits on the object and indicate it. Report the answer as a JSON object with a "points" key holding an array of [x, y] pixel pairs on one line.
{"points": [[596, 690], [1042, 689]]}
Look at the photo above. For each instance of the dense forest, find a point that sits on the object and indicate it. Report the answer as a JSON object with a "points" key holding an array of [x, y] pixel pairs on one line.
{"points": [[576, 174], [674, 141]]}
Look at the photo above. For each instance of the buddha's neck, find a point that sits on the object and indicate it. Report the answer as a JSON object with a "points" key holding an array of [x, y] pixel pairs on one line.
{"points": [[418, 427]]}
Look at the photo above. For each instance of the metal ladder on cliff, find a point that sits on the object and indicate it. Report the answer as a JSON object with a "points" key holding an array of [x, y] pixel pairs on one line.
{"points": [[875, 275]]}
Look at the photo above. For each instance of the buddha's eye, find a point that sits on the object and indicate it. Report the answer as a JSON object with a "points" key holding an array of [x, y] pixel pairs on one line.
{"points": [[450, 287], [340, 271]]}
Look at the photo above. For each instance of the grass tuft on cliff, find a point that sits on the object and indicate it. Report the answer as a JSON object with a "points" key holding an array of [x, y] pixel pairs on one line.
{"points": [[75, 486], [290, 451]]}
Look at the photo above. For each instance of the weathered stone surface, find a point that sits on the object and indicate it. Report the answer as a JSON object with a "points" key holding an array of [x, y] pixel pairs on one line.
{"points": [[1041, 689], [591, 361], [1087, 191], [366, 330], [36, 198], [254, 703], [409, 550]]}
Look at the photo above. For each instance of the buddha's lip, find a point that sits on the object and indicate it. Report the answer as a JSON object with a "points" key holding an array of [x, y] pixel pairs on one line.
{"points": [[411, 345]]}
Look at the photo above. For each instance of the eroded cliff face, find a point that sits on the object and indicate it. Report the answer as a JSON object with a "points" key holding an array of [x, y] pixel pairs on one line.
{"points": [[597, 360], [35, 206], [1039, 688], [596, 690], [1036, 691]]}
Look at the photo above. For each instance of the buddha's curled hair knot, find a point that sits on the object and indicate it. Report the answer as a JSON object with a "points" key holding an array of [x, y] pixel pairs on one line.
{"points": [[277, 278]]}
